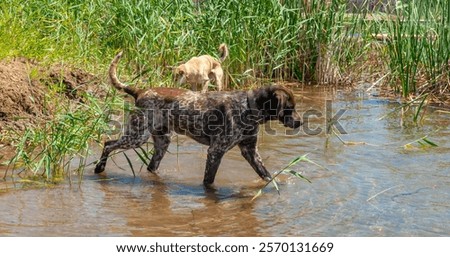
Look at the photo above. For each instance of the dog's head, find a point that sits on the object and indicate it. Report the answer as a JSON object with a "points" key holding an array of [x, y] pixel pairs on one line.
{"points": [[179, 74], [278, 103]]}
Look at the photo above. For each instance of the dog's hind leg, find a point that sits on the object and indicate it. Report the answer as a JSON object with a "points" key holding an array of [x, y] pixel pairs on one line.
{"points": [[100, 167], [161, 143], [217, 75], [219, 84], [125, 142], [250, 152], [135, 135]]}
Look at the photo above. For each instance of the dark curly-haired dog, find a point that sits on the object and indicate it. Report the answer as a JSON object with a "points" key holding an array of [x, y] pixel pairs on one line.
{"points": [[220, 120]]}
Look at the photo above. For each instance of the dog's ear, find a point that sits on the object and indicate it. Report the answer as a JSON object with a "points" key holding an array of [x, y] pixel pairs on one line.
{"points": [[282, 97]]}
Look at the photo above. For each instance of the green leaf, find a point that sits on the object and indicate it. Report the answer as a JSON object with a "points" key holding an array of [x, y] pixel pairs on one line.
{"points": [[287, 170], [429, 142], [257, 194], [275, 184], [142, 156], [297, 174], [416, 115], [145, 153], [129, 163], [297, 160]]}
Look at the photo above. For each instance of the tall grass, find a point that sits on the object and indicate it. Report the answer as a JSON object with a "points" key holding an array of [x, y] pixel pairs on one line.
{"points": [[50, 150], [310, 41], [267, 39], [418, 48]]}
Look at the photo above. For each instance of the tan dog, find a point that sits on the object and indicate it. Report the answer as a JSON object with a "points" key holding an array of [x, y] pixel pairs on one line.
{"points": [[202, 70]]}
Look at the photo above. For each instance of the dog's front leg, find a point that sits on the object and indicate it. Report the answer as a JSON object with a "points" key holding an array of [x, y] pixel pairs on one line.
{"points": [[215, 155], [205, 86], [250, 152]]}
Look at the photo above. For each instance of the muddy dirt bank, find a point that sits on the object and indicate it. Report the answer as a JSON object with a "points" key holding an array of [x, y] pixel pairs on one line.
{"points": [[29, 91]]}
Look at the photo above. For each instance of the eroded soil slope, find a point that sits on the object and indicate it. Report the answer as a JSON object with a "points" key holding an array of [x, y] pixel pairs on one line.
{"points": [[25, 95]]}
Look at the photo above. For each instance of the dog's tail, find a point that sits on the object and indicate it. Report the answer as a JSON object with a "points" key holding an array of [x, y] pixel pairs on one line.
{"points": [[115, 81], [223, 50]]}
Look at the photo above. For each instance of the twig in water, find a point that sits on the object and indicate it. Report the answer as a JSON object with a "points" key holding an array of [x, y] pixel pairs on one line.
{"points": [[376, 82], [377, 194]]}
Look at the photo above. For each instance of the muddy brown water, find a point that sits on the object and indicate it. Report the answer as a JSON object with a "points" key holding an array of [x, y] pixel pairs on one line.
{"points": [[379, 188]]}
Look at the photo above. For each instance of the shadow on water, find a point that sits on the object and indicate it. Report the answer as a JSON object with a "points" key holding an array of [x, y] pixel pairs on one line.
{"points": [[153, 206], [378, 187]]}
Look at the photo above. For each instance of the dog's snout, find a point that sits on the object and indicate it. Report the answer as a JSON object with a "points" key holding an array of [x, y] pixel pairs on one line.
{"points": [[297, 120], [292, 121], [297, 123]]}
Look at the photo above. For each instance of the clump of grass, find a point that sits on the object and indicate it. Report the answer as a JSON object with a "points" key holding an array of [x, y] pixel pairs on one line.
{"points": [[144, 156], [418, 45], [289, 171], [421, 143], [49, 150]]}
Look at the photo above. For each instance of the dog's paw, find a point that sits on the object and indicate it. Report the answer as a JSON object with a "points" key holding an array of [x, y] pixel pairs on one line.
{"points": [[209, 187], [152, 168], [267, 179], [99, 168]]}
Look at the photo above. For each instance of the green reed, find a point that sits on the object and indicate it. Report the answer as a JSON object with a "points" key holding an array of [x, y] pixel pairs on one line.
{"points": [[418, 45], [267, 39], [288, 171], [50, 149], [317, 41], [437, 46]]}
